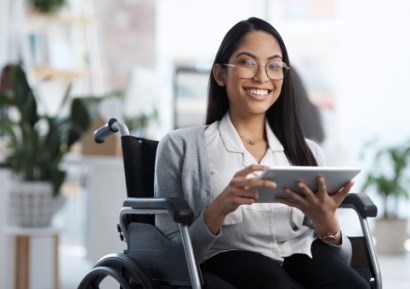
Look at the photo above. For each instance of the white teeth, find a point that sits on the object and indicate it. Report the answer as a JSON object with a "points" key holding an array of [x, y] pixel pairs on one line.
{"points": [[258, 91]]}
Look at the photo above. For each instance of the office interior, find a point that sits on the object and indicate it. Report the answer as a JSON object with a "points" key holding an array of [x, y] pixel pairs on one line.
{"points": [[151, 59]]}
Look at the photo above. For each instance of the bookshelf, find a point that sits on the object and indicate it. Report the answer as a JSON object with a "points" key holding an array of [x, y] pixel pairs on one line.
{"points": [[62, 47]]}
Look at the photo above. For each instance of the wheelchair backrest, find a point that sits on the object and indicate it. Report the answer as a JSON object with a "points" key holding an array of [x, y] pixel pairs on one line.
{"points": [[139, 166]]}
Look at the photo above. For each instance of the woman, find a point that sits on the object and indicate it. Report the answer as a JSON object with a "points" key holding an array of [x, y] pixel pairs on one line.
{"points": [[251, 124]]}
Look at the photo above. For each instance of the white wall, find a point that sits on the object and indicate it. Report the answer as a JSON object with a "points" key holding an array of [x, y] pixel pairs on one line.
{"points": [[374, 96], [193, 29], [190, 32], [374, 99], [3, 32], [368, 70]]}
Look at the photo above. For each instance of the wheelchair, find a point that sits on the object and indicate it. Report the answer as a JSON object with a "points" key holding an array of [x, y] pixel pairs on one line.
{"points": [[150, 260]]}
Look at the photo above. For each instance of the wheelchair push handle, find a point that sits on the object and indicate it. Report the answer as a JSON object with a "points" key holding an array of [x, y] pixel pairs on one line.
{"points": [[111, 127]]}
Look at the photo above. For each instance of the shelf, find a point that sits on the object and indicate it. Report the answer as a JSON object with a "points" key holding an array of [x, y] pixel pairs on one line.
{"points": [[60, 74], [61, 46], [64, 18]]}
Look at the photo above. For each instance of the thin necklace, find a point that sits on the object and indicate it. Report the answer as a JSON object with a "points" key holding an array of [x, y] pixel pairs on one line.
{"points": [[251, 141]]}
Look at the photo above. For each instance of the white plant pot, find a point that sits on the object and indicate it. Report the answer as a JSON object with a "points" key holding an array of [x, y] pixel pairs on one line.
{"points": [[390, 236], [32, 204]]}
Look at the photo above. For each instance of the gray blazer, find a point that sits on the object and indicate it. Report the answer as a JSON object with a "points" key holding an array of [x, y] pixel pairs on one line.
{"points": [[182, 170]]}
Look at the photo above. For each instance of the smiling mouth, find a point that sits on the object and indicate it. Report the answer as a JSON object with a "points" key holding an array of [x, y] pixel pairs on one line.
{"points": [[260, 92]]}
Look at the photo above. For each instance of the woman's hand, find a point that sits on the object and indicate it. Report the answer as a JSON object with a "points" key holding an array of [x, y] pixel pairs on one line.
{"points": [[320, 207], [240, 191]]}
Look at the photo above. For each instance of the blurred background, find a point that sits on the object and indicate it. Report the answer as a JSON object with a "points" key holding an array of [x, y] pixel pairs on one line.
{"points": [[147, 62]]}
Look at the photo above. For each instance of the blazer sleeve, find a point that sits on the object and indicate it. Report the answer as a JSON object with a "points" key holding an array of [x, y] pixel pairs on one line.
{"points": [[171, 178]]}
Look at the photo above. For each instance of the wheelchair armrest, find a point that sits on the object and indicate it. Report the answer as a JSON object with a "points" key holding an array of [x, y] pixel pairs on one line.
{"points": [[361, 203], [178, 208]]}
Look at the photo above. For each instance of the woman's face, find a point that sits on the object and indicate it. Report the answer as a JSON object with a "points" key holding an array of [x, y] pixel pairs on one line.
{"points": [[255, 95]]}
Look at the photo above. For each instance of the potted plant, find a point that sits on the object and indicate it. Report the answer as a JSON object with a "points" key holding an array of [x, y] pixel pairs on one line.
{"points": [[37, 142], [390, 179], [47, 6]]}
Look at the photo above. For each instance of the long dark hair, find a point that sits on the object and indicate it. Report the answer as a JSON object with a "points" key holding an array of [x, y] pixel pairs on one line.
{"points": [[283, 115]]}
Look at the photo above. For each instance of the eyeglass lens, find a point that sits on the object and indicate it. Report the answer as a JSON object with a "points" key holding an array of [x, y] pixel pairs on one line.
{"points": [[274, 70]]}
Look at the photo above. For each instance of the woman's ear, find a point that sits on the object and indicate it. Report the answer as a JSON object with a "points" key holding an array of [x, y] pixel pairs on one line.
{"points": [[219, 74]]}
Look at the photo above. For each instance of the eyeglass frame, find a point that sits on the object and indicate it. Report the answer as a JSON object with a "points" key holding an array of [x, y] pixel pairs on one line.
{"points": [[286, 69]]}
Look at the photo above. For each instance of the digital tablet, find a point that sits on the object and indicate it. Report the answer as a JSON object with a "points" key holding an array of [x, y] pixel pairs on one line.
{"points": [[335, 178]]}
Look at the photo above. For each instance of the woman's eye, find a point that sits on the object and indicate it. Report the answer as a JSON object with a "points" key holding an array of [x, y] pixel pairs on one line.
{"points": [[275, 65], [248, 63]]}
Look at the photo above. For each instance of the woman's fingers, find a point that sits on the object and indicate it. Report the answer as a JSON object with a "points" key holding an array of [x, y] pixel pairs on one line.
{"points": [[247, 188], [295, 199], [322, 190], [320, 205], [252, 183], [307, 191], [310, 195], [305, 196], [340, 195], [250, 169], [243, 186]]}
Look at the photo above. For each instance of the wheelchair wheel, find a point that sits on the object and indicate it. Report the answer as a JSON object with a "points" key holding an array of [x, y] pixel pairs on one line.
{"points": [[93, 278], [126, 271]]}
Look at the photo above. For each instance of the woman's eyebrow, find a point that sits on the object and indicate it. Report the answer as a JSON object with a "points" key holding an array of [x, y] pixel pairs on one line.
{"points": [[275, 56], [255, 57], [247, 54]]}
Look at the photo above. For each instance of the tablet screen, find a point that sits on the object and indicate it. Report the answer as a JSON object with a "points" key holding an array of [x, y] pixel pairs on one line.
{"points": [[335, 178]]}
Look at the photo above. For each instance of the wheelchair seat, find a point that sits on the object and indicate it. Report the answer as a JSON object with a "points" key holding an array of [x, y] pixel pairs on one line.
{"points": [[153, 261]]}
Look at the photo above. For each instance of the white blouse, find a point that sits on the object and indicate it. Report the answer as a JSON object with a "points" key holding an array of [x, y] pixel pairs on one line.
{"points": [[272, 229]]}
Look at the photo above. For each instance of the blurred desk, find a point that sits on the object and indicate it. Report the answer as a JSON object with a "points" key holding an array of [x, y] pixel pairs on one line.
{"points": [[22, 237], [106, 191]]}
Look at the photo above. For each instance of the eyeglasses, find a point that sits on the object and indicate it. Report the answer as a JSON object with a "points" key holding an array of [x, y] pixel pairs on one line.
{"points": [[274, 70]]}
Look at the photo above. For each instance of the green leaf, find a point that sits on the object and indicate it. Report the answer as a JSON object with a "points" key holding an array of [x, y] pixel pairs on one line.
{"points": [[83, 113], [23, 96], [388, 174], [5, 99], [38, 143]]}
